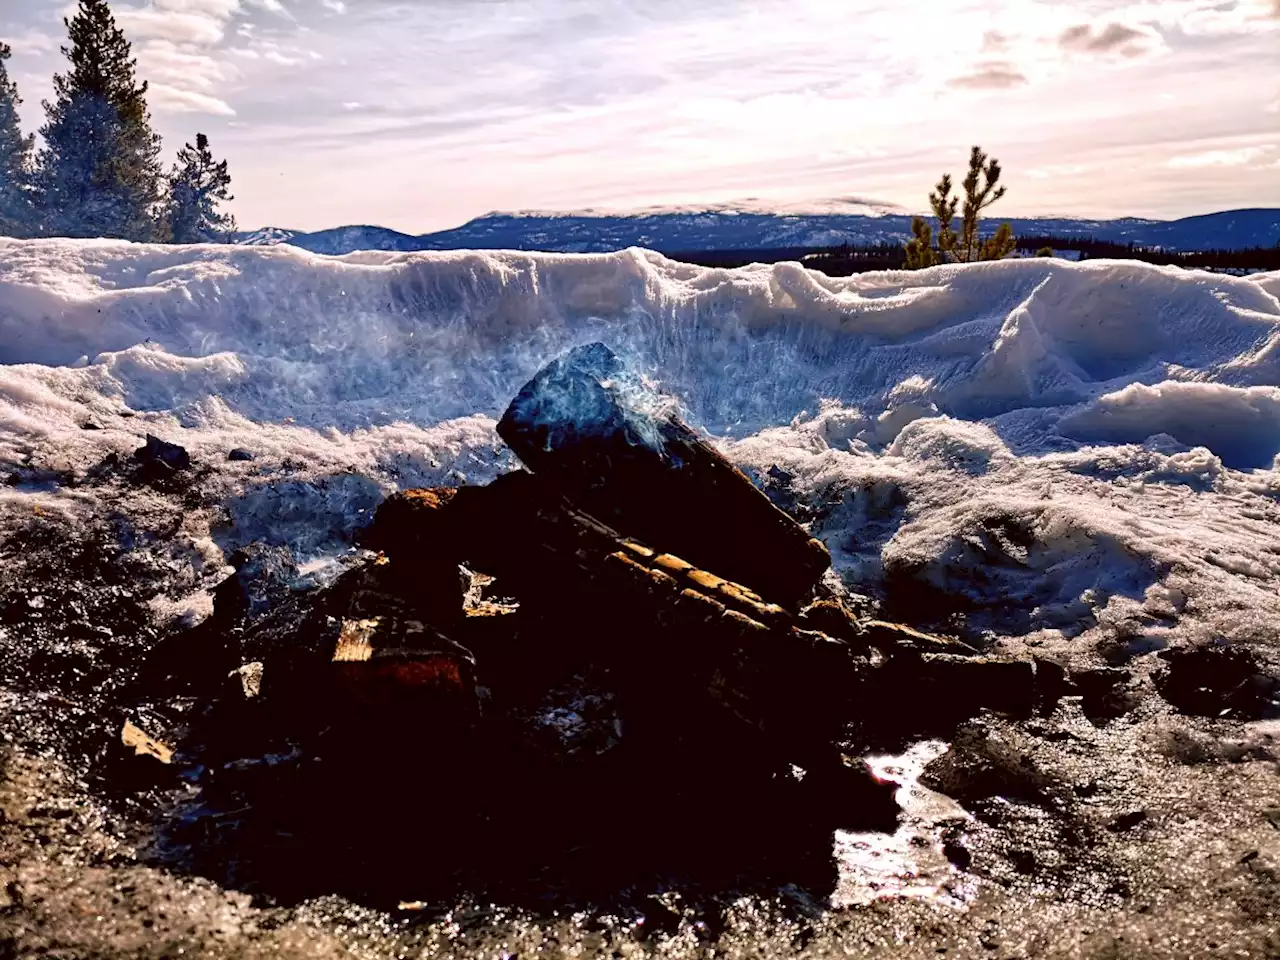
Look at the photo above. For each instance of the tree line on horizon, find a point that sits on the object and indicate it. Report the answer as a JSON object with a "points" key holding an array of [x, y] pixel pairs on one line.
{"points": [[97, 170]]}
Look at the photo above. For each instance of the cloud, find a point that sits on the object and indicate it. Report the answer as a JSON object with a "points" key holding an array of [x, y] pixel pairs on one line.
{"points": [[1240, 157], [160, 24], [178, 48], [174, 100], [1059, 170], [632, 102], [216, 9], [273, 52], [183, 67], [32, 41], [992, 76], [1219, 18], [1113, 38], [993, 41], [181, 50]]}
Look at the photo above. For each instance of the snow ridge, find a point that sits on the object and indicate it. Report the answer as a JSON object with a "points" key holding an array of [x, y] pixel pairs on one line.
{"points": [[1070, 446]]}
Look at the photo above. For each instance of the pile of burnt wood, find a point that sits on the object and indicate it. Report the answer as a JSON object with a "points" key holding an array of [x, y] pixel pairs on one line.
{"points": [[632, 602]]}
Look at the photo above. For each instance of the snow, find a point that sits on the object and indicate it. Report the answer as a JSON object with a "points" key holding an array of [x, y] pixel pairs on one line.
{"points": [[826, 206], [1240, 424], [1072, 452]]}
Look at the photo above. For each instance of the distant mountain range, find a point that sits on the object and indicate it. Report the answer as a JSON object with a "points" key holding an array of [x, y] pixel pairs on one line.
{"points": [[747, 227]]}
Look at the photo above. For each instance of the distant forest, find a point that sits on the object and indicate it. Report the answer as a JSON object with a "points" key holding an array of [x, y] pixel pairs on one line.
{"points": [[848, 259]]}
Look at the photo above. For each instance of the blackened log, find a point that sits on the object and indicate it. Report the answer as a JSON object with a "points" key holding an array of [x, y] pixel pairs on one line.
{"points": [[673, 634], [670, 631], [591, 432], [360, 647], [385, 659], [427, 574]]}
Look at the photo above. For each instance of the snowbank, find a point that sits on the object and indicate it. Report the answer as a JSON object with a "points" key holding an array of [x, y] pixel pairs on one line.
{"points": [[938, 425], [1240, 424]]}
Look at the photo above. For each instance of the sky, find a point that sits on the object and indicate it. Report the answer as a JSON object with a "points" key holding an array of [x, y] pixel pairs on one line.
{"points": [[421, 114]]}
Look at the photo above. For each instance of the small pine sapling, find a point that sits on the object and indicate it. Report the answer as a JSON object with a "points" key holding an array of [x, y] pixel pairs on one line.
{"points": [[981, 189], [920, 252], [944, 208]]}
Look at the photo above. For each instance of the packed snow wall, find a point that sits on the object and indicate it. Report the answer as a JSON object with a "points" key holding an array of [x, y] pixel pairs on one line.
{"points": [[375, 338], [1072, 435]]}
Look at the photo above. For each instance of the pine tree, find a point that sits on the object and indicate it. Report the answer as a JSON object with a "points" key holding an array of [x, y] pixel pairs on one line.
{"points": [[999, 245], [196, 187], [920, 252], [99, 173], [16, 217], [981, 190], [944, 208]]}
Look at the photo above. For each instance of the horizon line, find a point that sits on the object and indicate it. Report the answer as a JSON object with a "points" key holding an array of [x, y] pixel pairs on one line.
{"points": [[728, 208]]}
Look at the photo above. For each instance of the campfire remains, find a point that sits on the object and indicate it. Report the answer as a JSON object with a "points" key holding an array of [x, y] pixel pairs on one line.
{"points": [[632, 608]]}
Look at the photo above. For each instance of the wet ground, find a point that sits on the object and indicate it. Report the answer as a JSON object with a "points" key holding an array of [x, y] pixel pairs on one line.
{"points": [[1141, 818]]}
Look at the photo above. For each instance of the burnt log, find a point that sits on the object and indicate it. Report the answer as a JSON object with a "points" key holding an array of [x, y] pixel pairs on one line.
{"points": [[702, 665], [664, 623], [385, 659], [833, 618], [593, 433], [359, 654], [427, 574], [672, 633]]}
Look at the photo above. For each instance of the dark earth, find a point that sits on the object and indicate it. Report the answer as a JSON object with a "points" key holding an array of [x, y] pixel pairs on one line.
{"points": [[1139, 818]]}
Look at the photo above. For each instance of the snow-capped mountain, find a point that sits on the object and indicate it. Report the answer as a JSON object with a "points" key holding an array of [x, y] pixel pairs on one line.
{"points": [[749, 226], [267, 237]]}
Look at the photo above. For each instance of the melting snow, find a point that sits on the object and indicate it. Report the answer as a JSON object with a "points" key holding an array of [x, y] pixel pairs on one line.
{"points": [[1070, 448]]}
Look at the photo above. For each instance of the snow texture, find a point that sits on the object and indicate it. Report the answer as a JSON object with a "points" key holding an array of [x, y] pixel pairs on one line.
{"points": [[1062, 450]]}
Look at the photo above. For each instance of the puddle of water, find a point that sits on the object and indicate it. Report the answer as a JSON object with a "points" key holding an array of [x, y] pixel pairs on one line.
{"points": [[910, 861]]}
